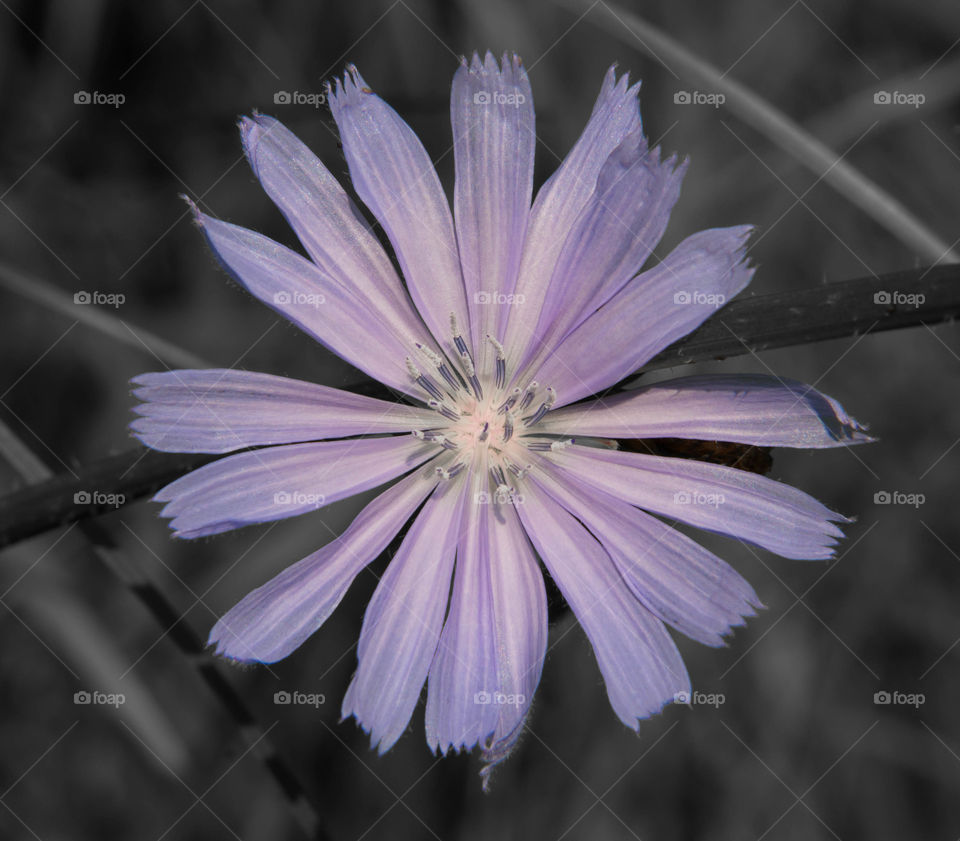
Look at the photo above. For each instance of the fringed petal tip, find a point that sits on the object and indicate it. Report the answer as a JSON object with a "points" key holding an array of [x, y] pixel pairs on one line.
{"points": [[225, 643], [250, 131], [842, 428], [216, 647], [350, 90], [851, 431], [378, 741], [619, 88], [195, 211], [509, 63]]}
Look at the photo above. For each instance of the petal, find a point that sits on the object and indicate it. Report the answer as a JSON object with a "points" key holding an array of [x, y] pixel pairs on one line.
{"points": [[464, 668], [395, 178], [220, 410], [298, 290], [746, 408], [613, 237], [326, 221], [711, 496], [639, 661], [280, 482], [277, 618], [402, 625], [655, 309], [560, 201], [493, 144], [490, 656], [678, 580], [520, 626]]}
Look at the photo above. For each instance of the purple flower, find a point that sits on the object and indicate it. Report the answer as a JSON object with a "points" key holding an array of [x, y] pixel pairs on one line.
{"points": [[507, 315]]}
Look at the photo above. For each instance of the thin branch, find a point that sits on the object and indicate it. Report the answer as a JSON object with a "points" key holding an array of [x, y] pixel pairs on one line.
{"points": [[83, 306], [829, 311], [755, 111], [751, 325], [31, 468]]}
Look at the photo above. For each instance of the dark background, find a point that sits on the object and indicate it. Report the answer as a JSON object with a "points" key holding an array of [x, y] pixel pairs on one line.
{"points": [[90, 203]]}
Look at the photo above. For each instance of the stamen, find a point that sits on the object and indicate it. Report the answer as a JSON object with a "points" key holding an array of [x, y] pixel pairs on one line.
{"points": [[550, 446], [508, 427], [443, 409], [441, 366], [444, 473], [501, 361], [423, 380], [484, 433], [498, 475], [441, 439], [508, 404], [466, 360], [457, 337], [528, 396], [519, 472], [545, 407]]}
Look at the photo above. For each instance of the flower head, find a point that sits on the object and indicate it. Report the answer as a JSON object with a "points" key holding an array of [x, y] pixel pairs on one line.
{"points": [[509, 313]]}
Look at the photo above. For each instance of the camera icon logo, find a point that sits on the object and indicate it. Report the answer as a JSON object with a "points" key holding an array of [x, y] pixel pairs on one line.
{"points": [[81, 297], [281, 697], [882, 98], [482, 698], [682, 98], [282, 498], [881, 298], [81, 498], [82, 98], [281, 98], [681, 697], [481, 297], [282, 298], [881, 697], [681, 297], [81, 697], [882, 498], [481, 98]]}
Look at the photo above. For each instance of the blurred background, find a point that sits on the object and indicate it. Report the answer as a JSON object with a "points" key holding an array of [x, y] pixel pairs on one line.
{"points": [[112, 110]]}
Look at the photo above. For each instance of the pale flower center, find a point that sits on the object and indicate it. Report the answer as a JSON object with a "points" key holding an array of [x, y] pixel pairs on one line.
{"points": [[479, 421]]}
